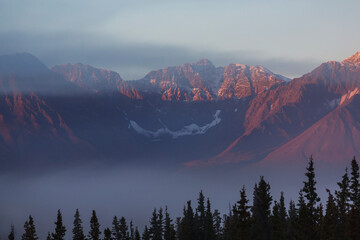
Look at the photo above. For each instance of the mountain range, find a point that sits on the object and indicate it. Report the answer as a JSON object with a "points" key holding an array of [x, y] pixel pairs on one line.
{"points": [[194, 114]]}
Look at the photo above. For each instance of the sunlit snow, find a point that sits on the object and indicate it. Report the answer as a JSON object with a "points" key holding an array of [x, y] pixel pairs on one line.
{"points": [[192, 129]]}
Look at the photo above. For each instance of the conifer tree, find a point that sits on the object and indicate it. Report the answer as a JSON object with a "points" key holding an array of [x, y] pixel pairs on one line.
{"points": [[124, 230], [278, 219], [354, 184], [169, 230], [156, 225], [146, 234], [353, 221], [243, 219], [132, 231], [303, 225], [78, 232], [200, 217], [48, 236], [312, 199], [115, 230], [209, 223], [329, 229], [217, 224], [60, 229], [261, 210], [11, 236], [160, 224], [30, 231], [342, 199], [137, 234], [187, 224], [107, 234], [292, 221], [94, 233]]}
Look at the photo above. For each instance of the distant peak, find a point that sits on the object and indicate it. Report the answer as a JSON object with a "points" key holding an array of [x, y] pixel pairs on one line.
{"points": [[204, 61], [355, 59]]}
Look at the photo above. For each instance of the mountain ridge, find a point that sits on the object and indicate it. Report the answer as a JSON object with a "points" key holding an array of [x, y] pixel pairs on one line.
{"points": [[170, 112]]}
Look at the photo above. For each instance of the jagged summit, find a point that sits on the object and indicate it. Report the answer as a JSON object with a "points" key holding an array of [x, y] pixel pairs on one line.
{"points": [[203, 61], [354, 59]]}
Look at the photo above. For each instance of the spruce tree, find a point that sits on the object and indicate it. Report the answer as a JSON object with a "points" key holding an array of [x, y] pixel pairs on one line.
{"points": [[107, 234], [354, 184], [60, 229], [312, 199], [353, 221], [78, 232], [217, 224], [115, 230], [278, 219], [30, 231], [342, 199], [200, 217], [137, 234], [282, 213], [11, 236], [209, 223], [169, 230], [146, 234], [187, 231], [48, 236], [329, 229], [261, 210], [243, 219], [94, 233], [155, 228], [132, 231], [303, 224], [124, 230], [292, 221]]}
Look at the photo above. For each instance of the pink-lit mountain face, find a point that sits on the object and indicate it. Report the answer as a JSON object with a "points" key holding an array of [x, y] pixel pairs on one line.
{"points": [[315, 114], [196, 114], [96, 80], [203, 81]]}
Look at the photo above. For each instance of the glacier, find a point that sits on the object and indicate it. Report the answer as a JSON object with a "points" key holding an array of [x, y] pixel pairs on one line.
{"points": [[188, 130]]}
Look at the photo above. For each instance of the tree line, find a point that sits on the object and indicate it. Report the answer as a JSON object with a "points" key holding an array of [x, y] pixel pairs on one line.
{"points": [[265, 219]]}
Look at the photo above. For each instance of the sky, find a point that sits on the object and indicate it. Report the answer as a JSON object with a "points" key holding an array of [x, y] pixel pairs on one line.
{"points": [[135, 37]]}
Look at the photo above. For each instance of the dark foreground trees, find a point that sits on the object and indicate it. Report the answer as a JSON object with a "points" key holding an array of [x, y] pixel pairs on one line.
{"points": [[266, 218]]}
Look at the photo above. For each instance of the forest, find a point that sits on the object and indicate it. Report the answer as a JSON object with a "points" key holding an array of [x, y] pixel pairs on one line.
{"points": [[262, 218]]}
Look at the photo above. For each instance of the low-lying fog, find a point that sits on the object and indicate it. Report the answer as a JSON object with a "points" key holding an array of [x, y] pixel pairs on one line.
{"points": [[132, 192]]}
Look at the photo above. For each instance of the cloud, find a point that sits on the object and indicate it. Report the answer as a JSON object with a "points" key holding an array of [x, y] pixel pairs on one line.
{"points": [[133, 60]]}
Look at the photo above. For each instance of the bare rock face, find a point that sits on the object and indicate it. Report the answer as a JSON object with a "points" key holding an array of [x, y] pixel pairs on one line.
{"points": [[201, 81], [188, 82], [354, 59], [240, 81], [95, 79], [306, 116]]}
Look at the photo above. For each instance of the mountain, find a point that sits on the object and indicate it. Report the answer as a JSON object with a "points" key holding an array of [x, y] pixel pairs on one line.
{"points": [[239, 81], [194, 114], [331, 140], [96, 80], [203, 81], [24, 73], [31, 129], [279, 115]]}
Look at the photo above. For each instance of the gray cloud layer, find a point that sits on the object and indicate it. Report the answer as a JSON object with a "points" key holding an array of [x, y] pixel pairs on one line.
{"points": [[133, 60]]}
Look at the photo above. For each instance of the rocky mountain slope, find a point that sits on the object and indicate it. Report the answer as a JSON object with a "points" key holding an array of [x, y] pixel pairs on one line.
{"points": [[279, 115], [196, 114]]}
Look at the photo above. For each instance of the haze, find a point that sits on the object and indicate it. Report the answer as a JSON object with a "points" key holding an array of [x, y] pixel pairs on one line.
{"points": [[134, 37]]}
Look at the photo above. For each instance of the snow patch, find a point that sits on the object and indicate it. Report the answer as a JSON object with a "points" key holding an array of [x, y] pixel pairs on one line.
{"points": [[192, 129], [333, 103]]}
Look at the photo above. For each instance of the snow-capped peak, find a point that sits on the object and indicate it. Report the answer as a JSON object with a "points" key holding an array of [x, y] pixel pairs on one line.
{"points": [[354, 59]]}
